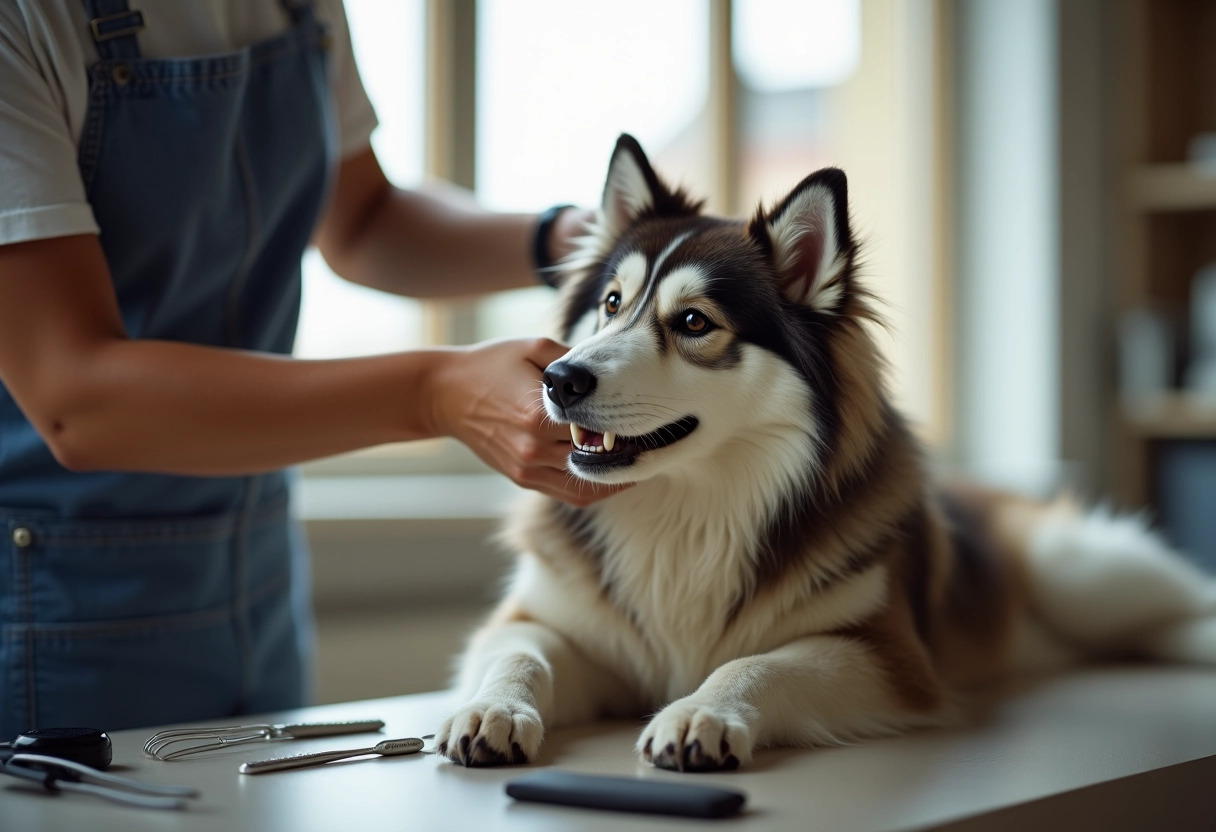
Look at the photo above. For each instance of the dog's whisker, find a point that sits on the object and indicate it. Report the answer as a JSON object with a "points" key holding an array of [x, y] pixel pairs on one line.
{"points": [[539, 393]]}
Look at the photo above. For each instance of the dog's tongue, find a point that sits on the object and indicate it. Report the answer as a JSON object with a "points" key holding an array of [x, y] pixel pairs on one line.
{"points": [[581, 436]]}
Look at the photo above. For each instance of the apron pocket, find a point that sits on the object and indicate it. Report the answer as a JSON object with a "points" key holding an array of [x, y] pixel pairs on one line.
{"points": [[126, 623], [121, 673]]}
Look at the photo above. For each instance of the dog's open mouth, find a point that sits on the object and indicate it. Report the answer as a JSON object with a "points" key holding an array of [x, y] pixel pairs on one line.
{"points": [[593, 448]]}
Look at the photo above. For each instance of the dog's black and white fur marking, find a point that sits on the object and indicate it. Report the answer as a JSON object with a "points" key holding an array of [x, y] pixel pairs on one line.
{"points": [[783, 572]]}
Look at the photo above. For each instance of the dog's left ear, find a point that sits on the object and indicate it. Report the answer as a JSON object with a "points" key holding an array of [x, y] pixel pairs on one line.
{"points": [[807, 236], [633, 190]]}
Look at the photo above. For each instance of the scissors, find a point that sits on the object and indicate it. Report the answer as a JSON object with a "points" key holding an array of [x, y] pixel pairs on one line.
{"points": [[72, 759]]}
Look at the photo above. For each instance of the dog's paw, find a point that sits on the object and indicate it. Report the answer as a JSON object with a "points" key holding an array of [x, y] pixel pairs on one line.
{"points": [[491, 732], [691, 736]]}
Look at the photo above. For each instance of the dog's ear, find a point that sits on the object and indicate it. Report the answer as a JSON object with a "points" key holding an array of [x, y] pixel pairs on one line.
{"points": [[807, 235], [633, 189]]}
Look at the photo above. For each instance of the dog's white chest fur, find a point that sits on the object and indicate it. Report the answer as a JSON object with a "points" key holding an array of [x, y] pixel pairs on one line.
{"points": [[676, 584], [674, 557]]}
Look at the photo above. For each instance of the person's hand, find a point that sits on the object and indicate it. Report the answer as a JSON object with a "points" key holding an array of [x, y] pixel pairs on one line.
{"points": [[489, 397]]}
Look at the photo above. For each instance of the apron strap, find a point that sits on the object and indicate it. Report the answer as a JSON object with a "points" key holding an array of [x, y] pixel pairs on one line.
{"points": [[113, 26], [300, 10]]}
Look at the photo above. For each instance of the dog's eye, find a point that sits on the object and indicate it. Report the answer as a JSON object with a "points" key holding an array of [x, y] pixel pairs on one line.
{"points": [[694, 322], [612, 304]]}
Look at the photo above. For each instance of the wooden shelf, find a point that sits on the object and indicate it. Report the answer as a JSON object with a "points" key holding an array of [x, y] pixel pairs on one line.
{"points": [[1171, 187], [1162, 90], [1177, 415]]}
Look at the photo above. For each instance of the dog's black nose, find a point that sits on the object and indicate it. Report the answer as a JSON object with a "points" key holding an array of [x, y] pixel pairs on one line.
{"points": [[566, 383]]}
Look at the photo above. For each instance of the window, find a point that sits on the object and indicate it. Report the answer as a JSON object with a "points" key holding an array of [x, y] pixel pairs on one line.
{"points": [[852, 83], [338, 318], [789, 59], [556, 83], [820, 82]]}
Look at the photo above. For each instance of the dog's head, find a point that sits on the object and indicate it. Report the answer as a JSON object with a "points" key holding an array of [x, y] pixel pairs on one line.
{"points": [[706, 336]]}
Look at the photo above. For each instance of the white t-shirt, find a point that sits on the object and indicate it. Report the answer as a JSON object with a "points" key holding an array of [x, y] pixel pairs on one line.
{"points": [[46, 48]]}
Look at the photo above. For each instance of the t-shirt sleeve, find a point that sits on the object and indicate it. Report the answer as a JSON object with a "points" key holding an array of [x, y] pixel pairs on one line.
{"points": [[41, 192], [356, 116]]}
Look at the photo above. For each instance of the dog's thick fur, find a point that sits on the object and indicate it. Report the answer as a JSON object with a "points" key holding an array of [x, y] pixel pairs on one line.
{"points": [[784, 572]]}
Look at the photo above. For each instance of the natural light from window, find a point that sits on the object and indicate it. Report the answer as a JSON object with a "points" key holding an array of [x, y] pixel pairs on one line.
{"points": [[780, 46], [557, 82], [338, 318]]}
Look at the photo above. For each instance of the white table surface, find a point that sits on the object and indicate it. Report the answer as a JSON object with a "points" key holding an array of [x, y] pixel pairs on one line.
{"points": [[1045, 738]]}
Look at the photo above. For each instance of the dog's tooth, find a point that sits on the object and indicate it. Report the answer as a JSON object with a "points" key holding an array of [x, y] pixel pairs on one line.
{"points": [[609, 440], [576, 434]]}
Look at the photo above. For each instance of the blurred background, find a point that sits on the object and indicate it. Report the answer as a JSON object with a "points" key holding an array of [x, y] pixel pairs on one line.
{"points": [[1035, 182]]}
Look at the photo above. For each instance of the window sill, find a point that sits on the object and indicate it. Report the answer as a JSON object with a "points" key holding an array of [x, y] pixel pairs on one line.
{"points": [[405, 497], [394, 543]]}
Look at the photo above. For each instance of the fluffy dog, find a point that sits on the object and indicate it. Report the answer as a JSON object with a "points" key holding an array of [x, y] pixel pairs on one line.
{"points": [[785, 571]]}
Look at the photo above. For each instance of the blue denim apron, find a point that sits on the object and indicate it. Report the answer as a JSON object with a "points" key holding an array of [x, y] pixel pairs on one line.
{"points": [[131, 599]]}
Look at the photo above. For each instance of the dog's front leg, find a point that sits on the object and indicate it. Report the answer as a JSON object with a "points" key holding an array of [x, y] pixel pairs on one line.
{"points": [[817, 690], [520, 677]]}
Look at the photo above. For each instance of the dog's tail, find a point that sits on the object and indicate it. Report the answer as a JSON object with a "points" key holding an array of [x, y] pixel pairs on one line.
{"points": [[1104, 583]]}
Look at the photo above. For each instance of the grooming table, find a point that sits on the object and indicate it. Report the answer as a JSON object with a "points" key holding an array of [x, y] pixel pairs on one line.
{"points": [[1104, 748]]}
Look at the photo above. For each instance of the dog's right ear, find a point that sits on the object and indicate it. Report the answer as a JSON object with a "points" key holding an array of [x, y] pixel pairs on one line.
{"points": [[634, 190]]}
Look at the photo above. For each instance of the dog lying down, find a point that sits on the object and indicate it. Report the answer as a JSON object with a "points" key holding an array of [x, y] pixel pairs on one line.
{"points": [[785, 572]]}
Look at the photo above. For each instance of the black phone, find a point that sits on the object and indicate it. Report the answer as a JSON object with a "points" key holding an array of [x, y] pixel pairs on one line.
{"points": [[88, 746], [627, 794]]}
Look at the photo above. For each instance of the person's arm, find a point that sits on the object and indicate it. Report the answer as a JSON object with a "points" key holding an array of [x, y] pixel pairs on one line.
{"points": [[104, 401], [429, 243]]}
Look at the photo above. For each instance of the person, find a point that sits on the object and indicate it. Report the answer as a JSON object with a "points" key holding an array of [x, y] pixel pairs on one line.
{"points": [[154, 209]]}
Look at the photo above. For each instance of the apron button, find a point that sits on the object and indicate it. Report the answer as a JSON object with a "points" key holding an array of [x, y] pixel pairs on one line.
{"points": [[22, 537], [122, 75]]}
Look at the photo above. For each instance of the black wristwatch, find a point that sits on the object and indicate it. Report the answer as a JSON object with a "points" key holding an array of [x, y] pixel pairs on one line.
{"points": [[546, 269]]}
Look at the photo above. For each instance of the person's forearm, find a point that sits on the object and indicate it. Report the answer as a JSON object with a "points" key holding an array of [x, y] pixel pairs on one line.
{"points": [[438, 243], [186, 409], [433, 242]]}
